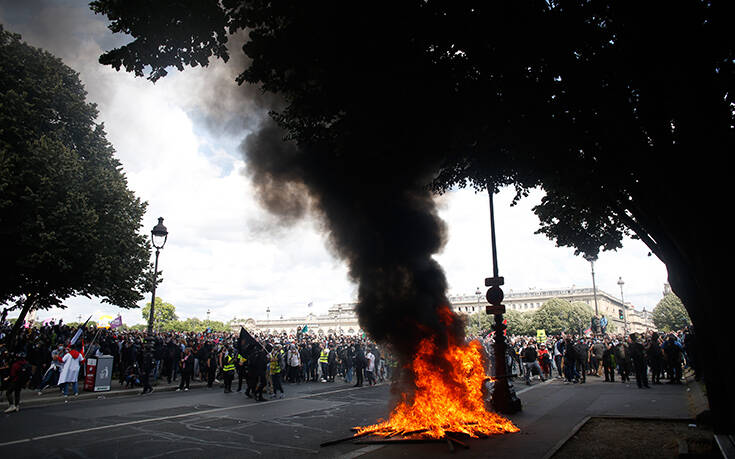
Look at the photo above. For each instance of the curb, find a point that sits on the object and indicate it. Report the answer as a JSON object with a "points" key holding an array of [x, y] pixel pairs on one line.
{"points": [[34, 400], [561, 442]]}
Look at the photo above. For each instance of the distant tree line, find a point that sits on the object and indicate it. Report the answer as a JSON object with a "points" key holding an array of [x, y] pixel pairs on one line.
{"points": [[554, 316]]}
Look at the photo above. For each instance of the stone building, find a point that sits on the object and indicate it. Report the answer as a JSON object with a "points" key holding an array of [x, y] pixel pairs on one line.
{"points": [[341, 318], [531, 300]]}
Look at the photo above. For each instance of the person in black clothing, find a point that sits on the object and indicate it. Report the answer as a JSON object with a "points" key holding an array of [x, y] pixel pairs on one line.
{"points": [[349, 365], [315, 353], [331, 363], [638, 356], [172, 357], [202, 356], [530, 362], [147, 366], [212, 363], [36, 357], [186, 364], [581, 351], [128, 357], [622, 358], [260, 367], [251, 379], [570, 360], [608, 362], [559, 355], [305, 354], [655, 358], [692, 352], [673, 354], [359, 361]]}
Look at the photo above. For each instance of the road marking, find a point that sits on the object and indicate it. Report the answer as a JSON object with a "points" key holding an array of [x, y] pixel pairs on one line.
{"points": [[175, 416], [526, 389], [361, 451]]}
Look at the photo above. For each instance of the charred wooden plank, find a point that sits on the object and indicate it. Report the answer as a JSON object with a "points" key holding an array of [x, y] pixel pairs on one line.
{"points": [[458, 442], [340, 440]]}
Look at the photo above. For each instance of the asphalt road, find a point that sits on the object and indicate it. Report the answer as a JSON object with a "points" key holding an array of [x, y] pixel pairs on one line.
{"points": [[206, 423]]}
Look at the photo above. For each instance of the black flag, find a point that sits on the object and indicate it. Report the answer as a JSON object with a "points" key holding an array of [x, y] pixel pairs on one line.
{"points": [[246, 341], [79, 332]]}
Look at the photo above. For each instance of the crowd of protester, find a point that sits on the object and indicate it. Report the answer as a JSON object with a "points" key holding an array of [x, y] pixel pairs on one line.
{"points": [[651, 357], [43, 360]]}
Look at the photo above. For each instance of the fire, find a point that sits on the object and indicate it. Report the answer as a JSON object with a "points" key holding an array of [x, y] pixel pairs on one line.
{"points": [[444, 401]]}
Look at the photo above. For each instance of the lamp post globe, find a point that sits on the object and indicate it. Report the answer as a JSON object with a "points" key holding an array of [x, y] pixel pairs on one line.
{"points": [[159, 234]]}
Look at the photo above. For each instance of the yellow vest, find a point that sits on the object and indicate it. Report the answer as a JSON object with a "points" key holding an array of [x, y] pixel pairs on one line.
{"points": [[230, 365], [275, 365], [324, 357]]}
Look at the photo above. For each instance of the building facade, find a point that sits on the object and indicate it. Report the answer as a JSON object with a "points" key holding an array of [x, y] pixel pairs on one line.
{"points": [[531, 300], [341, 318]]}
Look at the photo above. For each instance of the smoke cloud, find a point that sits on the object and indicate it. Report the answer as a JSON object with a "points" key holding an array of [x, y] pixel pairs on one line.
{"points": [[379, 217]]}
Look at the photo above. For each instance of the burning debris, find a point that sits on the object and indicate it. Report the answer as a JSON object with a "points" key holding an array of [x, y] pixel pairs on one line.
{"points": [[444, 401], [447, 400]]}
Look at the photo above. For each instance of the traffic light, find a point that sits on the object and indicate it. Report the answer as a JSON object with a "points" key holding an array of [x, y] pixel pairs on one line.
{"points": [[620, 314]]}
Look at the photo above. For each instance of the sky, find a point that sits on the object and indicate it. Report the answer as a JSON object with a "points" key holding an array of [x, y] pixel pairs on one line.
{"points": [[178, 142]]}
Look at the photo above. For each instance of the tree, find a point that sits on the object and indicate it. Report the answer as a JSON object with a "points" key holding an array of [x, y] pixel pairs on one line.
{"points": [[163, 314], [479, 324], [196, 325], [621, 112], [670, 314], [68, 222], [520, 323], [558, 315]]}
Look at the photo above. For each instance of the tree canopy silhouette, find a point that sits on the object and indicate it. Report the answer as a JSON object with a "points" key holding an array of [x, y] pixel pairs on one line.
{"points": [[621, 111], [68, 222]]}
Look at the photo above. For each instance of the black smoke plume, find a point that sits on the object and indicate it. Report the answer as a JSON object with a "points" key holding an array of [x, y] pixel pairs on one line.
{"points": [[379, 216]]}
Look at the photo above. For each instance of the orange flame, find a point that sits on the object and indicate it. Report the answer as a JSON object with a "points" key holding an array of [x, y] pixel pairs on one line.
{"points": [[444, 401]]}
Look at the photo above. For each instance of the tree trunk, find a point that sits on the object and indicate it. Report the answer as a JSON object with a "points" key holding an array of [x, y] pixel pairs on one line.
{"points": [[15, 331], [696, 285]]}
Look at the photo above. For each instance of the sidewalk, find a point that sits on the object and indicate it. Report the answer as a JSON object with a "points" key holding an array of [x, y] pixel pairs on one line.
{"points": [[52, 395], [553, 412]]}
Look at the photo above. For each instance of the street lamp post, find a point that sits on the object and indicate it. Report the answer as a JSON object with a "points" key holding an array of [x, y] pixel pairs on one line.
{"points": [[268, 313], [159, 235], [592, 259], [504, 399], [622, 301], [478, 294]]}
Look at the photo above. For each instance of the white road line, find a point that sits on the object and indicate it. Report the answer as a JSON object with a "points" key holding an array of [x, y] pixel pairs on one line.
{"points": [[525, 389], [175, 416]]}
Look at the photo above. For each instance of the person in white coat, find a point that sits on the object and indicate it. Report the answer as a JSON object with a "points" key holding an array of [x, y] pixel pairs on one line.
{"points": [[70, 371]]}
